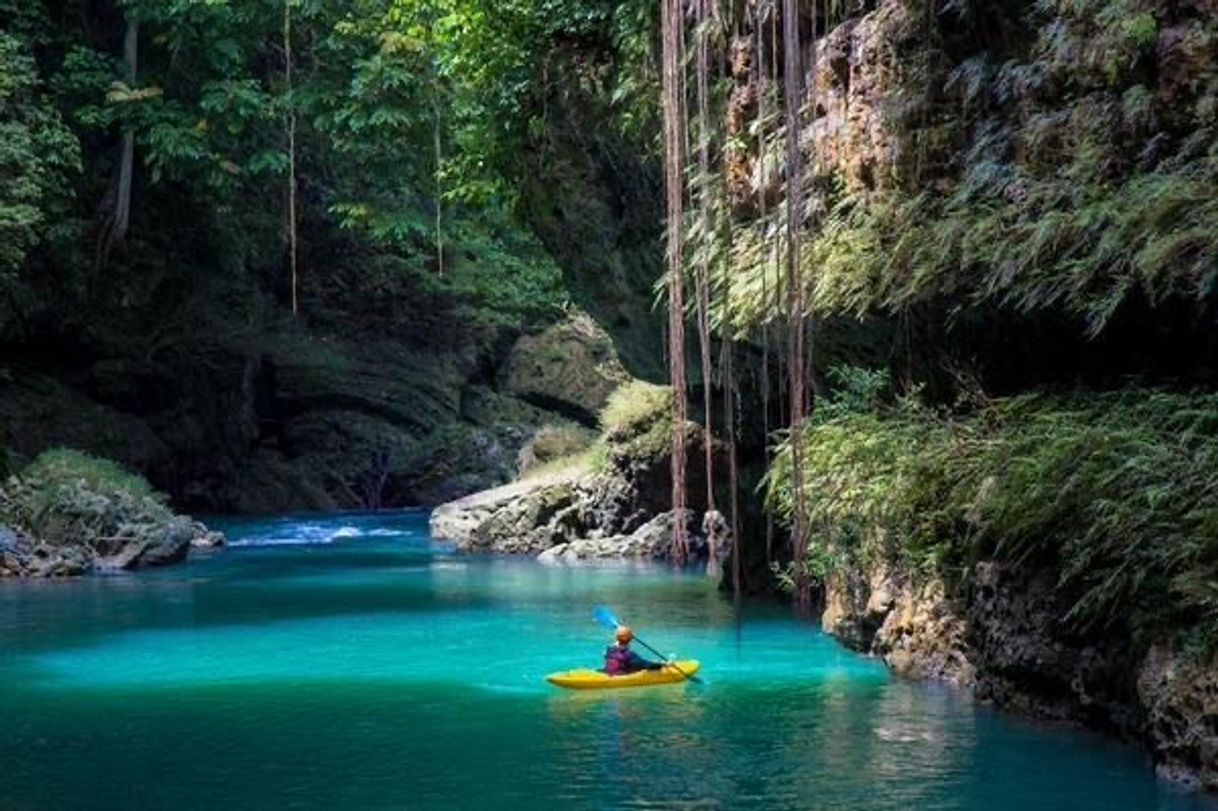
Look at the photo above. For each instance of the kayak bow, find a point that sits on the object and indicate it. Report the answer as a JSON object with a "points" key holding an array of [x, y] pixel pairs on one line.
{"points": [[587, 679]]}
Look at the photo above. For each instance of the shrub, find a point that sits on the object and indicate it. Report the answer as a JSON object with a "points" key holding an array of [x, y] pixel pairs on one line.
{"points": [[64, 466], [635, 405], [556, 448], [637, 422]]}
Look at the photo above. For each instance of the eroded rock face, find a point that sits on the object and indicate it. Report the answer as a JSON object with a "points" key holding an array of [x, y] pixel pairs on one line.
{"points": [[912, 626], [1029, 661], [856, 91], [571, 368], [1180, 696], [861, 67], [1007, 640]]}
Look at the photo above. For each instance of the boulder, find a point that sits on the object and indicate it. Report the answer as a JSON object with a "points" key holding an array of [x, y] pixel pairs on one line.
{"points": [[77, 513], [206, 539], [171, 544], [511, 518], [1180, 695], [571, 369], [649, 542]]}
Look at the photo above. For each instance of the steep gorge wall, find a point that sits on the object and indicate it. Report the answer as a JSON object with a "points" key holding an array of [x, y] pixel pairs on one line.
{"points": [[313, 419], [1042, 173], [1005, 640]]}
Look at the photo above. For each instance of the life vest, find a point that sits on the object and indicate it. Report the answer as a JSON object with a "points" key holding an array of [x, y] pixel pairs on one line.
{"points": [[618, 660]]}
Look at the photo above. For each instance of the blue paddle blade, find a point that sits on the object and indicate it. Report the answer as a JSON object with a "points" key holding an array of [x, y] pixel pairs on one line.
{"points": [[606, 617]]}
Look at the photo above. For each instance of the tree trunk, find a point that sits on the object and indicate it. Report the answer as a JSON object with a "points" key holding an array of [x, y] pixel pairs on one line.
{"points": [[293, 248], [116, 207]]}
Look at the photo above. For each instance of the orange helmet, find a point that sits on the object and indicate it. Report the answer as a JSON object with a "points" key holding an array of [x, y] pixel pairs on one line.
{"points": [[624, 635]]}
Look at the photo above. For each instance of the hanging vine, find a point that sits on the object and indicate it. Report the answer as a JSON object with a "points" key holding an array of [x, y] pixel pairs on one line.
{"points": [[793, 93], [293, 242], [703, 17], [763, 181], [673, 93]]}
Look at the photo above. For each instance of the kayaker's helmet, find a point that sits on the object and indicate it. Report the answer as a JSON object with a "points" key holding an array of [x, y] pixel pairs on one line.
{"points": [[624, 635]]}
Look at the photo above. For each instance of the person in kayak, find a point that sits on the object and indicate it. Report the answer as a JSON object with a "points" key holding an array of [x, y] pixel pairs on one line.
{"points": [[620, 659]]}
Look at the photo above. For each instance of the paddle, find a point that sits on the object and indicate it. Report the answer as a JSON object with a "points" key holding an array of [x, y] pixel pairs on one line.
{"points": [[607, 618]]}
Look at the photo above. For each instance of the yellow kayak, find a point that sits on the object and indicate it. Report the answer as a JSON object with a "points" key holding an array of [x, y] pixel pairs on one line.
{"points": [[586, 679]]}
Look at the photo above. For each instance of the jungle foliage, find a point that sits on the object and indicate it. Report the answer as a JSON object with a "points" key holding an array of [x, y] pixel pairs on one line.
{"points": [[413, 118], [1113, 492]]}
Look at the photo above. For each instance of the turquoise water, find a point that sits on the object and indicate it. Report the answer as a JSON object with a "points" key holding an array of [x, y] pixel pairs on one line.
{"points": [[345, 662]]}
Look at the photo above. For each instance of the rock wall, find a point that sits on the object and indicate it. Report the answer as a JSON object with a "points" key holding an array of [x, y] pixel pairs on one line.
{"points": [[617, 506], [303, 420], [1006, 641], [571, 368]]}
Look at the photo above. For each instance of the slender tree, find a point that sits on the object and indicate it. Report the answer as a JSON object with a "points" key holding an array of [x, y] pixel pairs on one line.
{"points": [[437, 124], [290, 123], [673, 94], [116, 219]]}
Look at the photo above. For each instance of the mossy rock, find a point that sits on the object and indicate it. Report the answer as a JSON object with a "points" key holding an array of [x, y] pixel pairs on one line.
{"points": [[72, 512], [571, 368], [554, 446]]}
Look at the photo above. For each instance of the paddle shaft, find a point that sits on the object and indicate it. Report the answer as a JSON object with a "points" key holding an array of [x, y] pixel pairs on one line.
{"points": [[668, 661]]}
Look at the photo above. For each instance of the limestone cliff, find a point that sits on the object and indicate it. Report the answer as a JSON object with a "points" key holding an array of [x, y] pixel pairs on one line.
{"points": [[1005, 640]]}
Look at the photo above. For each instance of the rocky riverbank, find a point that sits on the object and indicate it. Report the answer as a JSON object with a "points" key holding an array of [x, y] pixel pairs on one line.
{"points": [[1005, 640], [68, 514], [611, 501]]}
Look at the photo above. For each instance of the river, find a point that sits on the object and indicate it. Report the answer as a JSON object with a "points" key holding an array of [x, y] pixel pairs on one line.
{"points": [[347, 662]]}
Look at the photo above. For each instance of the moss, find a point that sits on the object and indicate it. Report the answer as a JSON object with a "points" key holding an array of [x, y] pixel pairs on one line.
{"points": [[637, 421], [556, 448], [635, 406]]}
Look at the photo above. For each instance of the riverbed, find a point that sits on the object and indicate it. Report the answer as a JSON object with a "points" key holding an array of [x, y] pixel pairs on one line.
{"points": [[347, 661]]}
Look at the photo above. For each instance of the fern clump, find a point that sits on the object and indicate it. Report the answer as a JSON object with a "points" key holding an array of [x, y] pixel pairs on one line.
{"points": [[1116, 493]]}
